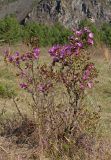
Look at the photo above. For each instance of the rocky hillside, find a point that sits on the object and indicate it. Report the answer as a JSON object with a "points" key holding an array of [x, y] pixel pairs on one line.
{"points": [[68, 12], [20, 8]]}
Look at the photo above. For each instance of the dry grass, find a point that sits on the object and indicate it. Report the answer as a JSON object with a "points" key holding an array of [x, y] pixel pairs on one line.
{"points": [[99, 96]]}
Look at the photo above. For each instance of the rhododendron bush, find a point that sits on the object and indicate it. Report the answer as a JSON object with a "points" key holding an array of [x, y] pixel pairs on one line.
{"points": [[60, 123]]}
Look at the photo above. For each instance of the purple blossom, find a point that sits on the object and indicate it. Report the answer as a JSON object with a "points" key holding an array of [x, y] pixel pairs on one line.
{"points": [[23, 85], [17, 54], [82, 86], [79, 44], [23, 58], [11, 59], [90, 84], [91, 35], [41, 88], [36, 52], [17, 62], [65, 50], [90, 41], [29, 56], [44, 87], [53, 50], [86, 74], [79, 33], [91, 66]]}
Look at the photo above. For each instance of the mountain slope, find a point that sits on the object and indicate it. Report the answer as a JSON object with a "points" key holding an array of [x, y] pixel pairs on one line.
{"points": [[68, 12]]}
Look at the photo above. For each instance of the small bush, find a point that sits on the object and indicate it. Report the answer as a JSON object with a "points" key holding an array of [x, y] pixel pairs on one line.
{"points": [[48, 35], [64, 125], [59, 34], [10, 30]]}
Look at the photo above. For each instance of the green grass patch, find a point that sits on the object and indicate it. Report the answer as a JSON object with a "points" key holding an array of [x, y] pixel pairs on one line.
{"points": [[6, 91]]}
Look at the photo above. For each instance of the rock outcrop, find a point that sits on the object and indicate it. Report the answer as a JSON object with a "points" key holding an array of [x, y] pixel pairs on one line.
{"points": [[19, 8], [68, 12]]}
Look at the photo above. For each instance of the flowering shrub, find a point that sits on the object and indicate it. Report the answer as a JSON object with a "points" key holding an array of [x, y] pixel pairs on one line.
{"points": [[60, 125], [76, 72]]}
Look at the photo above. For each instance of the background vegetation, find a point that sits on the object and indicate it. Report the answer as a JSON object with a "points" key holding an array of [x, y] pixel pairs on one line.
{"points": [[12, 32]]}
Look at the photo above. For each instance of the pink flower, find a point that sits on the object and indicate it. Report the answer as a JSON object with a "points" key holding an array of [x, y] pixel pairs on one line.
{"points": [[79, 33], [91, 35], [41, 88], [79, 44], [65, 50], [36, 52], [85, 77], [91, 66], [82, 86], [23, 85], [29, 56], [53, 50], [23, 58], [90, 41], [90, 84], [17, 54], [11, 59], [86, 74]]}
